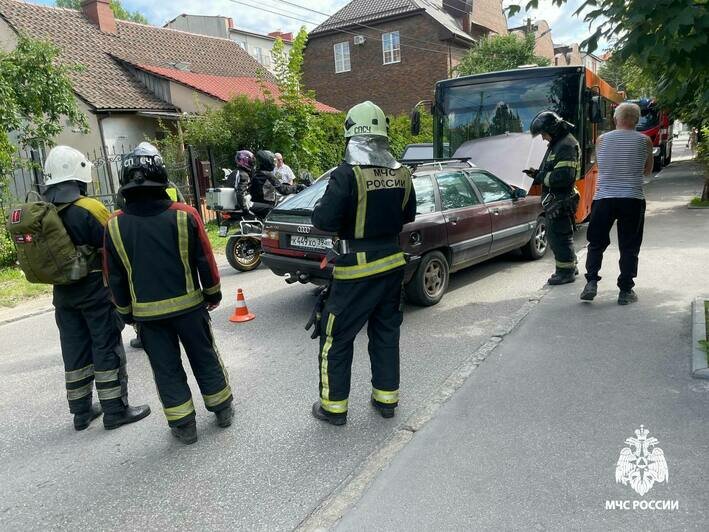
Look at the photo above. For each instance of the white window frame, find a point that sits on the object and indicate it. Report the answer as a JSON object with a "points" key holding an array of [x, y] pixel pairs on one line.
{"points": [[391, 47], [343, 61]]}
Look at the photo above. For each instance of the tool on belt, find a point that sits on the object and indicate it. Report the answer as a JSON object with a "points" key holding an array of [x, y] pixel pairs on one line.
{"points": [[359, 245], [316, 315], [558, 207]]}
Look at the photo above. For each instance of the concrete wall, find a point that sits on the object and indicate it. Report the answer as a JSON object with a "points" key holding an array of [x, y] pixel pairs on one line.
{"points": [[251, 43], [213, 26], [488, 13], [544, 45], [85, 143], [188, 100], [125, 130], [8, 37]]}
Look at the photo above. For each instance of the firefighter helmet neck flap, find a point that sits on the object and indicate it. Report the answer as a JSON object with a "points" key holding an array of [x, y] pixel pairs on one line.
{"points": [[366, 132], [143, 167], [550, 123]]}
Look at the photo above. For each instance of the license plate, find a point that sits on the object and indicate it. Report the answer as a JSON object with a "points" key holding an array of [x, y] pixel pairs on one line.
{"points": [[223, 230], [310, 242]]}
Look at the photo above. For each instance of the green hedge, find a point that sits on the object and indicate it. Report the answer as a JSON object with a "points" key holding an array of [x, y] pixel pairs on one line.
{"points": [[8, 256]]}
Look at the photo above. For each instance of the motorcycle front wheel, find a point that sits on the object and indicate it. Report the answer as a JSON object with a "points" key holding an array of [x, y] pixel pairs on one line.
{"points": [[243, 253]]}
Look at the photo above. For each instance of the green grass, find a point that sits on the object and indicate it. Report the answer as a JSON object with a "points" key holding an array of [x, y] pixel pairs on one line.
{"points": [[218, 242], [15, 289], [697, 202]]}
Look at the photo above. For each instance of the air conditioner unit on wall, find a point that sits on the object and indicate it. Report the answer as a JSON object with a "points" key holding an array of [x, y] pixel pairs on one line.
{"points": [[359, 39]]}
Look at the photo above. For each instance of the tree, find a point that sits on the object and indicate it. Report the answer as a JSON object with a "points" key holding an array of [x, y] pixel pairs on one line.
{"points": [[500, 52], [119, 11], [627, 76]]}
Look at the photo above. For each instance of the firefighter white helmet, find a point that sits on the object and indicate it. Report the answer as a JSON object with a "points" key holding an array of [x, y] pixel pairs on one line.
{"points": [[66, 164]]}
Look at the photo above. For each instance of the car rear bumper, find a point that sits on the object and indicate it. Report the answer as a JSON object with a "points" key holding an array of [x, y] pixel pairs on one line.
{"points": [[309, 270]]}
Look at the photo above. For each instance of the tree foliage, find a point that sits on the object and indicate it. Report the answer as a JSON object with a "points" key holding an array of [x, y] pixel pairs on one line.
{"points": [[668, 39], [119, 11], [627, 76], [500, 52]]}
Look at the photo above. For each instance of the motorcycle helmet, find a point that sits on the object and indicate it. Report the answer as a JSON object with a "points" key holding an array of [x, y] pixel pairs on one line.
{"points": [[244, 159], [143, 167], [265, 160], [550, 123]]}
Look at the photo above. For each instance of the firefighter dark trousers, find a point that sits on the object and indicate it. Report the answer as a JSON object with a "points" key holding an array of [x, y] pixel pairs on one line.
{"points": [[350, 305], [92, 349], [561, 241], [630, 215], [161, 341]]}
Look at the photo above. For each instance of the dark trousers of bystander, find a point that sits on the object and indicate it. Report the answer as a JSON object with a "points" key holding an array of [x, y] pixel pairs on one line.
{"points": [[630, 215]]}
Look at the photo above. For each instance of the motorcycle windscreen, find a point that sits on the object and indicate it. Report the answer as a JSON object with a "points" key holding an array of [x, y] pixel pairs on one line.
{"points": [[505, 156]]}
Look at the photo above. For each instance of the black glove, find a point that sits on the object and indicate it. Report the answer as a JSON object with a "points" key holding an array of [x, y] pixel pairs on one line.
{"points": [[531, 172]]}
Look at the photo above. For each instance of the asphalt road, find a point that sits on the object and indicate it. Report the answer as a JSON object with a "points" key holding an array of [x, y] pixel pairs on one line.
{"points": [[276, 463]]}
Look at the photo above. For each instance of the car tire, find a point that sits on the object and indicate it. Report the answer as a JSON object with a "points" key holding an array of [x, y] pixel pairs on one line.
{"points": [[668, 157], [430, 281], [657, 163], [235, 257], [537, 246]]}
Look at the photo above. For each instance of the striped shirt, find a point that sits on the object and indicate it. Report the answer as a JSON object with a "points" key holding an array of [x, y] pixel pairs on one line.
{"points": [[621, 164]]}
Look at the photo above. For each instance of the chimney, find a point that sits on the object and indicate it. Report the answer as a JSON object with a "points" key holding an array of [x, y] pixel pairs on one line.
{"points": [[230, 23], [461, 10], [99, 12]]}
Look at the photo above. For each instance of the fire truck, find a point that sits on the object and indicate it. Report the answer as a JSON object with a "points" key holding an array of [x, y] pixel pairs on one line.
{"points": [[656, 124]]}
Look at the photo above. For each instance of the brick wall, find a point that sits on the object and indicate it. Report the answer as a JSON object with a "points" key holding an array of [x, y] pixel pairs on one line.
{"points": [[395, 87]]}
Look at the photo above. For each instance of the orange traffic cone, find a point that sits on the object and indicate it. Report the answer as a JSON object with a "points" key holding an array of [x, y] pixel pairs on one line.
{"points": [[241, 312]]}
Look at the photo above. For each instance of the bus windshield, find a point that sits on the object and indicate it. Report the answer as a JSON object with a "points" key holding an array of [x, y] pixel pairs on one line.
{"points": [[488, 109]]}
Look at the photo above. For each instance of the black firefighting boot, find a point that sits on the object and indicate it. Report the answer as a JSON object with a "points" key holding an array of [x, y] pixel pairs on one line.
{"points": [[385, 411], [83, 420], [135, 343], [590, 291], [562, 277], [322, 415], [225, 416], [130, 415], [187, 433], [625, 297]]}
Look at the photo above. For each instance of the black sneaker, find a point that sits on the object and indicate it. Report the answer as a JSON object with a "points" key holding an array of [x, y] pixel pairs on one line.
{"points": [[83, 420], [135, 343], [224, 417], [386, 411], [322, 415], [625, 297], [130, 415], [562, 278], [187, 434], [590, 291]]}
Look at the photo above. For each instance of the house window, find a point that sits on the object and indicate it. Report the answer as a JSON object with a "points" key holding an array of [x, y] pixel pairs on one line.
{"points": [[257, 53], [342, 57], [391, 47]]}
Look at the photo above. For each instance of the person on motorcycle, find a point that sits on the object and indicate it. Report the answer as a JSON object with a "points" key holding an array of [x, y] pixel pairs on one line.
{"points": [[240, 178], [265, 184]]}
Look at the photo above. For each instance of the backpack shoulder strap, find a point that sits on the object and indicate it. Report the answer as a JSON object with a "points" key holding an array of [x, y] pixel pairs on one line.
{"points": [[96, 208]]}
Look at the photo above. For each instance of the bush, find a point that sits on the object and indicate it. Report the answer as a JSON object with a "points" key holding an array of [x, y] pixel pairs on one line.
{"points": [[8, 255], [703, 158]]}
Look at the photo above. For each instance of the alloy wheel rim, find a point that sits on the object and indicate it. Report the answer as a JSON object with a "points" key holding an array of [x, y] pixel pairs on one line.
{"points": [[434, 278], [540, 238]]}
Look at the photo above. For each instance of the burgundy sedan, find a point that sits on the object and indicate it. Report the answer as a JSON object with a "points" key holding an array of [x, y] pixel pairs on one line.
{"points": [[464, 216]]}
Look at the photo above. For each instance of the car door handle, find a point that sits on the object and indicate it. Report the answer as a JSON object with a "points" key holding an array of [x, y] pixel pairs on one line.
{"points": [[453, 219], [496, 212]]}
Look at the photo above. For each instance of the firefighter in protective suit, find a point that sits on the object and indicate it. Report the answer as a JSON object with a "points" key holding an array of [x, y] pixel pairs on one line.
{"points": [[162, 274], [369, 198], [557, 175], [89, 328]]}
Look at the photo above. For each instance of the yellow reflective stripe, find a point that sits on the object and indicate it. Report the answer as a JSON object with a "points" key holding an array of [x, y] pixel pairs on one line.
{"points": [[115, 232], [387, 398], [566, 164], [361, 258], [213, 290], [124, 310], [97, 209], [325, 394], [79, 374], [183, 237], [175, 413], [361, 203], [167, 306], [334, 407], [217, 398], [107, 376], [109, 393], [79, 393], [172, 193], [407, 193], [566, 265], [345, 273], [551, 157]]}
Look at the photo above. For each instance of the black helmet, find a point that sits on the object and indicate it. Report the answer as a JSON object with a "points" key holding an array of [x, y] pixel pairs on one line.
{"points": [[143, 167], [549, 122], [265, 160]]}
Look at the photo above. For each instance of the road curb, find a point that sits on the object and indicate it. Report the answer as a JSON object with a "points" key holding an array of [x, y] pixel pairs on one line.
{"points": [[327, 514], [699, 332], [21, 317]]}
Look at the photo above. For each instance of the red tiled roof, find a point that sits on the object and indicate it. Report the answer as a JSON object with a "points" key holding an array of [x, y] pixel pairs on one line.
{"points": [[223, 87]]}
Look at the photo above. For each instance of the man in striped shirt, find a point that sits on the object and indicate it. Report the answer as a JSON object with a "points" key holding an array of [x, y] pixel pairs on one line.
{"points": [[624, 158]]}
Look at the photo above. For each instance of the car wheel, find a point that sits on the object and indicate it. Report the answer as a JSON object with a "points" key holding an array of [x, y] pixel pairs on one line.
{"points": [[430, 281], [243, 254], [668, 157], [657, 163], [537, 246]]}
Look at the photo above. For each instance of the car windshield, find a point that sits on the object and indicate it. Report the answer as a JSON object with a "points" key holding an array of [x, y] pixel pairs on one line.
{"points": [[421, 152], [307, 199]]}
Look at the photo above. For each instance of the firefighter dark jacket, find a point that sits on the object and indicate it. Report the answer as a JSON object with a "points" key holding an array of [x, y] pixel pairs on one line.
{"points": [[561, 166], [368, 206], [158, 261]]}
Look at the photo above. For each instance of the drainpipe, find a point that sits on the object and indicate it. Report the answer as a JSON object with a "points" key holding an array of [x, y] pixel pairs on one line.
{"points": [[104, 150]]}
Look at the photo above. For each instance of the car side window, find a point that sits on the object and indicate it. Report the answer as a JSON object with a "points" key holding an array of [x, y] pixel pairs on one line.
{"points": [[456, 191], [491, 188], [425, 196]]}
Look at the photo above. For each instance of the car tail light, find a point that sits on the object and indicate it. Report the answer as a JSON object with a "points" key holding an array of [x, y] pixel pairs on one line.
{"points": [[226, 216], [270, 238]]}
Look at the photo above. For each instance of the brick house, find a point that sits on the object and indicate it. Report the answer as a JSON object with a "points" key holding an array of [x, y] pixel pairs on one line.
{"points": [[394, 51]]}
